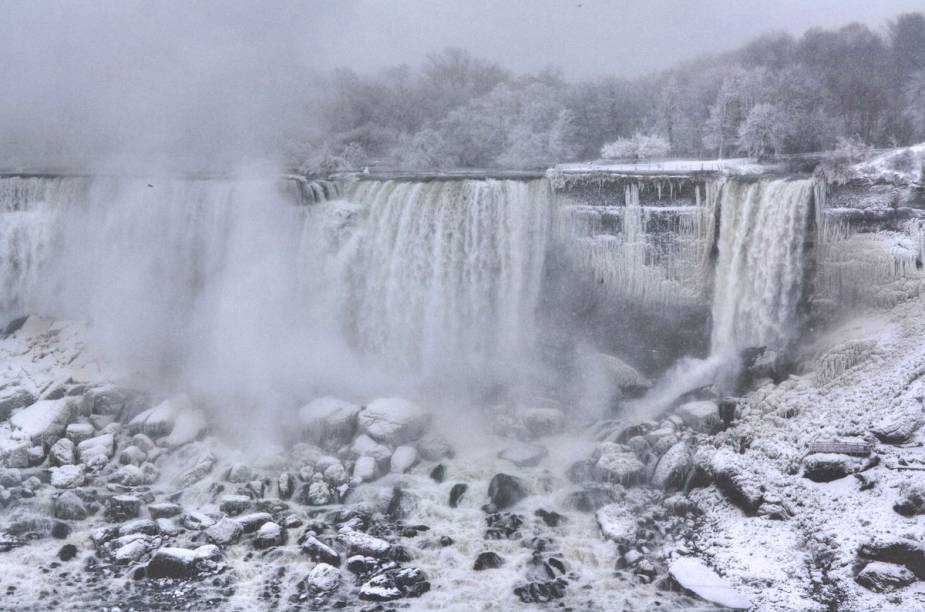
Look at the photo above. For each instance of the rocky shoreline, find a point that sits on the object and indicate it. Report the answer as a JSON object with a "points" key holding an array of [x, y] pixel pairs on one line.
{"points": [[803, 494]]}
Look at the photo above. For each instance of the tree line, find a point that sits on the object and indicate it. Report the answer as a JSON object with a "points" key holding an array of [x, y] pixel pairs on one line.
{"points": [[777, 94]]}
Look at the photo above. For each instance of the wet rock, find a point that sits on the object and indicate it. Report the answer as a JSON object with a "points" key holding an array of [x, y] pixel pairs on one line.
{"points": [[234, 504], [10, 477], [197, 521], [590, 498], [144, 526], [695, 577], [253, 521], [504, 491], [438, 474], [702, 416], [503, 525], [320, 552], [359, 543], [394, 421], [897, 550], [183, 563], [159, 421], [270, 534], [617, 464], [131, 548], [317, 493], [673, 467], [551, 519], [226, 531], [360, 565], [328, 421], [62, 452], [434, 447], [167, 527], [394, 584], [826, 467], [401, 504], [403, 459], [456, 494], [106, 399], [69, 506], [487, 560], [123, 508], [524, 455], [67, 552], [164, 510], [286, 485], [323, 578], [912, 500], [881, 577], [541, 592]]}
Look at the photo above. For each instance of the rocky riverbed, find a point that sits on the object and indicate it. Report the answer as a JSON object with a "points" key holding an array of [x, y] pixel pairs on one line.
{"points": [[805, 493]]}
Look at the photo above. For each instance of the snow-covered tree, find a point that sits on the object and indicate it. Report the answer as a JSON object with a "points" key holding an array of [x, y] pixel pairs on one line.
{"points": [[914, 98], [763, 131], [639, 147]]}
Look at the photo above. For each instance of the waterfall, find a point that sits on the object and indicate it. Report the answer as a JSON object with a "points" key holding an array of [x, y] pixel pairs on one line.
{"points": [[234, 286], [761, 263], [448, 273]]}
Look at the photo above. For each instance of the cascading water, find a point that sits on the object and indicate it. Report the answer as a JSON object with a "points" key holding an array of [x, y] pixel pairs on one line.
{"points": [[448, 273], [761, 263]]}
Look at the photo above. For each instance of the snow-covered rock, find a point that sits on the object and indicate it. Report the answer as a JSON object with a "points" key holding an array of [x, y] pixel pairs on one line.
{"points": [[96, 451], [324, 578], [359, 543], [700, 416], [403, 459], [67, 476], [394, 421], [62, 452], [363, 445], [44, 421], [624, 376], [879, 576], [329, 421], [700, 580], [617, 464], [159, 421], [225, 531], [14, 398], [183, 563], [826, 467], [269, 534], [188, 426], [616, 523], [364, 470]]}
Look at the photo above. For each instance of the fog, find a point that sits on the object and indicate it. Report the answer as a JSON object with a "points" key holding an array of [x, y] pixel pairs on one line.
{"points": [[132, 84]]}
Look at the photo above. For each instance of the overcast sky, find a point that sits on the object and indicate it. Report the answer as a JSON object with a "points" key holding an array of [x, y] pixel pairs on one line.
{"points": [[150, 76]]}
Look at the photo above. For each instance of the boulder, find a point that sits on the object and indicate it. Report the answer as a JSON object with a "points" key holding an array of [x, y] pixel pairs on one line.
{"points": [[225, 531], [616, 523], [320, 552], [617, 464], [434, 447], [67, 476], [159, 421], [97, 451], [363, 445], [62, 452], [505, 491], [394, 584], [623, 375], [897, 550], [268, 535], [702, 416], [329, 421], [359, 543], [487, 560], [693, 576], [898, 427], [129, 475], [43, 422], [403, 459], [78, 432], [456, 493], [524, 455], [673, 467], [183, 563], [123, 507], [14, 399], [68, 506], [132, 455], [106, 400], [10, 477], [880, 577], [323, 578], [364, 470], [394, 421], [912, 500], [738, 483], [826, 467]]}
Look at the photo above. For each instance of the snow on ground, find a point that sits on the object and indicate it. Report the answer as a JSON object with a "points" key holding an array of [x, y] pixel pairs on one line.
{"points": [[669, 166], [809, 561]]}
